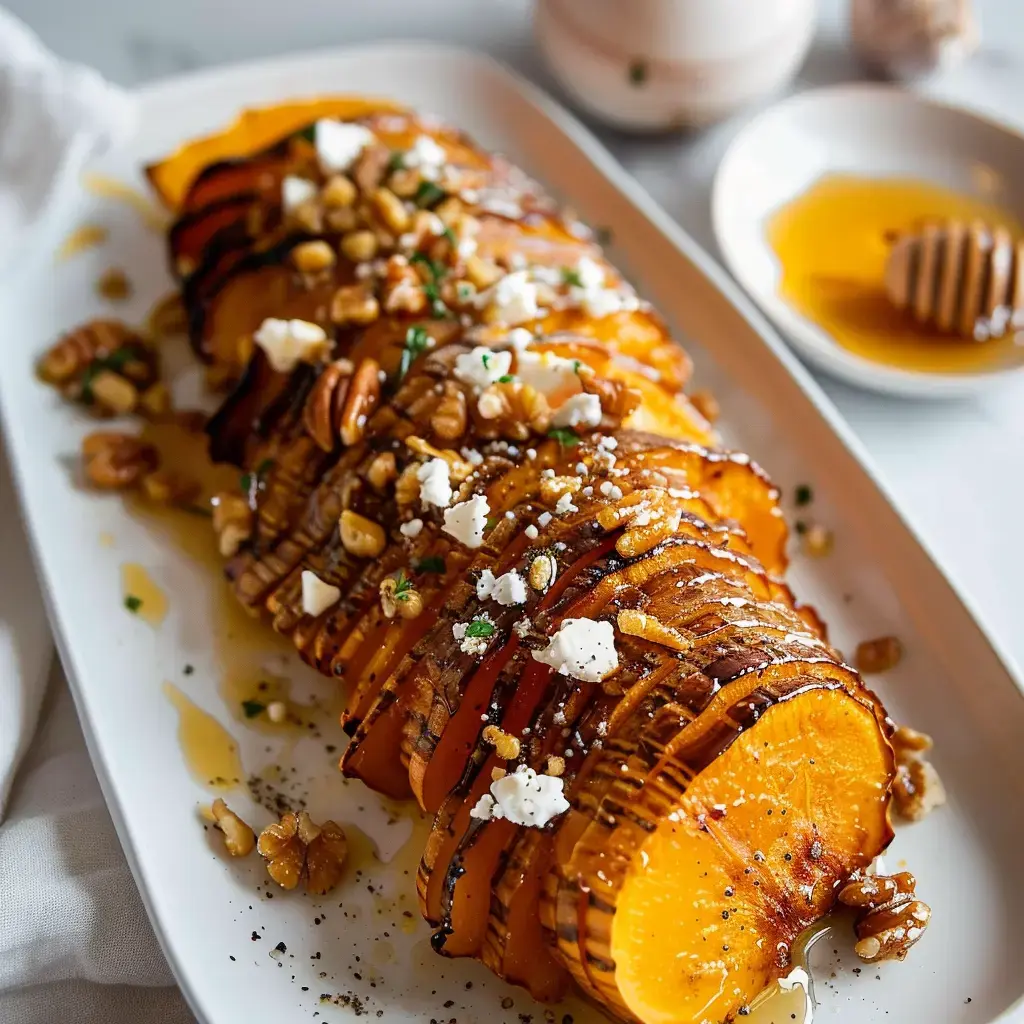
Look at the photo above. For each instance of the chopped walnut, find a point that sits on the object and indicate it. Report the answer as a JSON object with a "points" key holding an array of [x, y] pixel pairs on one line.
{"points": [[513, 411], [917, 789], [552, 488], [458, 467], [878, 655], [360, 536], [649, 516], [232, 522], [706, 404], [399, 597], [296, 847], [313, 257], [382, 471], [239, 838], [505, 745], [354, 304], [449, 419], [117, 462], [555, 766], [891, 920]]}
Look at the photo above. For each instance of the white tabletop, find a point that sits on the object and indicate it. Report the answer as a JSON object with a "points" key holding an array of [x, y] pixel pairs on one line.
{"points": [[955, 469]]}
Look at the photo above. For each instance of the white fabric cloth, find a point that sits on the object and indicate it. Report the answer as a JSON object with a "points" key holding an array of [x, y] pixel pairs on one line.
{"points": [[75, 942]]}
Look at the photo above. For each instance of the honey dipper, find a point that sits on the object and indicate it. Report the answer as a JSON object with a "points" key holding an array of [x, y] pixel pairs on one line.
{"points": [[964, 278]]}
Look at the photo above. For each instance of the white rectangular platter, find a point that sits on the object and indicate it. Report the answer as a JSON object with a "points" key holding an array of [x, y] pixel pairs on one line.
{"points": [[363, 946]]}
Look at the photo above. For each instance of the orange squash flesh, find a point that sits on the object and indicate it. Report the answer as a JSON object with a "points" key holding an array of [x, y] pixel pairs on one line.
{"points": [[252, 131], [709, 901]]}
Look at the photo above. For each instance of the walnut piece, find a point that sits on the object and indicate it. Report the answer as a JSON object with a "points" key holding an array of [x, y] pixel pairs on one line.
{"points": [[878, 655], [505, 745], [917, 789], [117, 462], [239, 838], [296, 848], [360, 536], [891, 919]]}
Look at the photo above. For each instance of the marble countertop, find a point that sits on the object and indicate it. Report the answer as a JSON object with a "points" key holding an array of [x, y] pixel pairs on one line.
{"points": [[969, 452]]}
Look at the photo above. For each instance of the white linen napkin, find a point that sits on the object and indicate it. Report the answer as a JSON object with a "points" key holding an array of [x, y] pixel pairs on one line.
{"points": [[53, 116], [75, 942]]}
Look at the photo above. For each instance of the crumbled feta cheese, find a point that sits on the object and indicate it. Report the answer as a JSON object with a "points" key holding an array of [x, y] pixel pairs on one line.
{"points": [[524, 798], [508, 589], [564, 504], [604, 302], [427, 156], [613, 491], [521, 628], [583, 649], [589, 273], [513, 298], [482, 366], [544, 518], [549, 374], [467, 520], [580, 410], [611, 443], [317, 596], [435, 485], [295, 191], [411, 529], [467, 247], [290, 342], [472, 456], [338, 144], [474, 645], [532, 532], [520, 339]]}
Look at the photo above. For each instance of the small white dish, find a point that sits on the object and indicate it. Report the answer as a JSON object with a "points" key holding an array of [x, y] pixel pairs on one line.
{"points": [[867, 130]]}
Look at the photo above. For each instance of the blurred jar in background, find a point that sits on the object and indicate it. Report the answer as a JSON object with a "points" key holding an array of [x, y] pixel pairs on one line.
{"points": [[663, 64]]}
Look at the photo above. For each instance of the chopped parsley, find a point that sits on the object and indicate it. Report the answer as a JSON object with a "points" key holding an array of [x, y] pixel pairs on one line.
{"points": [[308, 133], [403, 587], [133, 603], [565, 436], [427, 195], [432, 288], [480, 628], [572, 277], [638, 71], [396, 162], [450, 235], [417, 341], [252, 708], [486, 360], [803, 495], [506, 378], [435, 563]]}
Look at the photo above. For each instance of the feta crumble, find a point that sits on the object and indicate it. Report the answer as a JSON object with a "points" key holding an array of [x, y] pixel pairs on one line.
{"points": [[513, 298], [435, 485], [467, 520], [548, 373], [581, 410], [532, 532], [508, 589], [290, 342], [317, 596], [482, 366], [427, 156], [583, 649], [524, 798], [473, 645], [564, 504], [411, 529], [338, 144], [295, 191]]}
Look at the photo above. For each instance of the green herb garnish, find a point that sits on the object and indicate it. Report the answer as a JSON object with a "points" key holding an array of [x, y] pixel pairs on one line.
{"points": [[506, 378], [133, 603], [252, 708], [257, 479], [450, 235], [431, 289], [572, 277], [803, 495], [396, 162], [308, 133], [427, 195], [403, 587], [638, 71], [480, 628], [435, 563], [565, 436], [417, 341]]}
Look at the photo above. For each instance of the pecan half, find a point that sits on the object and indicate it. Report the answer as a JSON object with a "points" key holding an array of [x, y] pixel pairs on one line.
{"points": [[360, 402], [891, 918], [321, 415]]}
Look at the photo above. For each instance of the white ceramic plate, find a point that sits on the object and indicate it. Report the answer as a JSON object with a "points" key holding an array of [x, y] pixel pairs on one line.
{"points": [[868, 130], [359, 943]]}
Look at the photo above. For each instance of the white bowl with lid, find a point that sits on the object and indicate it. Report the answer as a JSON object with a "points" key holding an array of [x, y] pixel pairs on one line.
{"points": [[868, 131]]}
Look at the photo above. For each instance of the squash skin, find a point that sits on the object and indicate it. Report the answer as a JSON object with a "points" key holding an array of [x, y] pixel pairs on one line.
{"points": [[526, 902]]}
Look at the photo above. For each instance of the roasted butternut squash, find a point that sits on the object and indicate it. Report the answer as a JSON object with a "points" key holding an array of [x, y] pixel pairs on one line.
{"points": [[599, 585]]}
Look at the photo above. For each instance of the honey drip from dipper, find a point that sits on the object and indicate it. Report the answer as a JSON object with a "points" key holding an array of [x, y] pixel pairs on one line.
{"points": [[905, 273]]}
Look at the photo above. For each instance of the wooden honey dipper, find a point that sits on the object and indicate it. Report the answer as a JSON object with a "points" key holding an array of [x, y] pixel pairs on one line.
{"points": [[963, 278]]}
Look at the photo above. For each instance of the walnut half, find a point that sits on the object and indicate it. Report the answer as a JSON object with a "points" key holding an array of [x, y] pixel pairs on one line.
{"points": [[296, 847], [239, 838]]}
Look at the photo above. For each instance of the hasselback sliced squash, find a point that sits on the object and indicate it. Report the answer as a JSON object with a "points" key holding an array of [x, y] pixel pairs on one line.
{"points": [[725, 772]]}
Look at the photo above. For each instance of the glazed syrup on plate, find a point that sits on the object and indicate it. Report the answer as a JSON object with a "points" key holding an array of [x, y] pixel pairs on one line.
{"points": [[832, 243]]}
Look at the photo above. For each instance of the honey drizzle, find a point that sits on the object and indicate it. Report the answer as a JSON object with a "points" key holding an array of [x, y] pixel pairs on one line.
{"points": [[88, 236], [143, 596], [832, 242], [110, 188], [210, 751]]}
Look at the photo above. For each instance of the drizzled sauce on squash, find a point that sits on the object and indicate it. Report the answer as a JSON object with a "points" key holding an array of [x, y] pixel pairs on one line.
{"points": [[832, 243], [209, 749]]}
